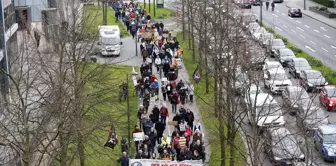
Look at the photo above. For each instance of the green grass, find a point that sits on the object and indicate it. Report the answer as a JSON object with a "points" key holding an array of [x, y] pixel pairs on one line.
{"points": [[316, 64], [112, 111], [205, 104], [93, 17], [160, 13]]}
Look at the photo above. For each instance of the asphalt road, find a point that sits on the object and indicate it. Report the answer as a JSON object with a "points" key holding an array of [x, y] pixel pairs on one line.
{"points": [[312, 36]]}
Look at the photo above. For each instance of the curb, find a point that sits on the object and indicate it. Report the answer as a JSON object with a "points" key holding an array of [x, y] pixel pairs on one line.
{"points": [[334, 27]]}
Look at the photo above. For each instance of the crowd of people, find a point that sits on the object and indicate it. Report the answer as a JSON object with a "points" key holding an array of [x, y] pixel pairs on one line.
{"points": [[161, 53]]}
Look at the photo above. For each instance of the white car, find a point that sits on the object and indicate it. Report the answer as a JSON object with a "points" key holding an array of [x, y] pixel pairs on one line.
{"points": [[263, 110], [276, 80], [265, 38], [272, 65], [253, 26], [257, 33]]}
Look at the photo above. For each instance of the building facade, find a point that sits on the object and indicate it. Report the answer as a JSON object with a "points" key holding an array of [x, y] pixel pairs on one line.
{"points": [[8, 39], [35, 7]]}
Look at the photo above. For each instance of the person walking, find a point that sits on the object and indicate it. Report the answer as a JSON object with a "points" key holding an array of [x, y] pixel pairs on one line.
{"points": [[191, 92], [169, 88], [159, 127], [164, 91], [174, 101], [164, 114], [37, 37], [123, 160]]}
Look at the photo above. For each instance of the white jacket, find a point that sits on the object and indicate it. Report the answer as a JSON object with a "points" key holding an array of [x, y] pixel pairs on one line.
{"points": [[157, 61]]}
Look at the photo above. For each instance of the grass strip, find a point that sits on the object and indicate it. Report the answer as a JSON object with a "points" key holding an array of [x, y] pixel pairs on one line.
{"points": [[94, 18], [160, 13], [205, 103]]}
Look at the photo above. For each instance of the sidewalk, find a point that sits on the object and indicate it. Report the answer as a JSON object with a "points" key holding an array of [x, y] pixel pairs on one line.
{"points": [[300, 4]]}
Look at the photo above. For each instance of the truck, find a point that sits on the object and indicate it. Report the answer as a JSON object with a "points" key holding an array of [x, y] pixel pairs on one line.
{"points": [[109, 40]]}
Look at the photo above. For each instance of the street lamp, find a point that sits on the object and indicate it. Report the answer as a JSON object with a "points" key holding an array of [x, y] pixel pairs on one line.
{"points": [[261, 3], [134, 74]]}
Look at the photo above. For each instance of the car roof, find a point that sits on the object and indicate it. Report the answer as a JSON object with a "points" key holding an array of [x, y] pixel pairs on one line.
{"points": [[262, 99], [272, 63], [279, 132], [277, 40], [328, 129], [311, 71], [330, 86], [277, 70], [299, 59]]}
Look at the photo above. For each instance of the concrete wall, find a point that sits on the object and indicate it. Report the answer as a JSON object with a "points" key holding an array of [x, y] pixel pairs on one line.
{"points": [[36, 7], [5, 3]]}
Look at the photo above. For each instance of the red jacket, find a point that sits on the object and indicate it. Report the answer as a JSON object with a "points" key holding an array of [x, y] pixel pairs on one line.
{"points": [[144, 12], [164, 111], [132, 15]]}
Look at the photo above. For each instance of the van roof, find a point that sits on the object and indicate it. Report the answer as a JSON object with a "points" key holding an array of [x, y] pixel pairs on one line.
{"points": [[109, 30]]}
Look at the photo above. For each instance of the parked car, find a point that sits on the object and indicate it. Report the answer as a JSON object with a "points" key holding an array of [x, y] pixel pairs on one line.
{"points": [[295, 98], [253, 26], [263, 110], [281, 147], [297, 65], [257, 59], [309, 119], [276, 80], [271, 65], [255, 2], [284, 55], [312, 80], [265, 38], [294, 12], [328, 97], [275, 45], [257, 33], [277, 1], [245, 5], [324, 141], [242, 80]]}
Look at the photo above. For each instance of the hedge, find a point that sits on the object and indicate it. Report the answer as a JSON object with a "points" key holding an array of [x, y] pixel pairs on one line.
{"points": [[326, 3], [316, 64]]}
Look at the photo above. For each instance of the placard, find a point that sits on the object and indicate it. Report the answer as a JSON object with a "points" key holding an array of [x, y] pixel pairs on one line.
{"points": [[139, 136], [153, 162]]}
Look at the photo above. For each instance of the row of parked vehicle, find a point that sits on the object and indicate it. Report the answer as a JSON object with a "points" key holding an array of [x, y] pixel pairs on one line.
{"points": [[268, 114]]}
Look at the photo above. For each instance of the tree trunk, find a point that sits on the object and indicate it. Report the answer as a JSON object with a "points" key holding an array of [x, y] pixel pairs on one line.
{"points": [[189, 26]]}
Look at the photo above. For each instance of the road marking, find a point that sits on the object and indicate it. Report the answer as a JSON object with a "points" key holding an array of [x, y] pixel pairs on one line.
{"points": [[302, 36], [278, 28], [310, 48], [277, 21], [327, 36], [313, 42], [307, 26], [277, 11], [290, 18], [325, 49], [333, 47], [275, 15], [323, 28], [298, 22], [283, 14], [316, 31], [299, 28], [293, 30], [284, 26]]}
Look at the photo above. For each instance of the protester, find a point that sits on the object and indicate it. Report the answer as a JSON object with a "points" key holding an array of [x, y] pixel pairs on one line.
{"points": [[174, 100], [124, 159], [164, 113]]}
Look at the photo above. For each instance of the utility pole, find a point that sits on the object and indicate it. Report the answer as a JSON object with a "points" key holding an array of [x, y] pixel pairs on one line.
{"points": [[136, 38], [183, 20], [154, 6], [261, 4], [144, 4], [304, 4], [128, 119]]}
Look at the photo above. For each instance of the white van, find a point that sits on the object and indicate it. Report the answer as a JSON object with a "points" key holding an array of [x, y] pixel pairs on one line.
{"points": [[109, 40]]}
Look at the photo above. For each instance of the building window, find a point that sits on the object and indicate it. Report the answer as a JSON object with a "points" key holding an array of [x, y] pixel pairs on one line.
{"points": [[10, 17]]}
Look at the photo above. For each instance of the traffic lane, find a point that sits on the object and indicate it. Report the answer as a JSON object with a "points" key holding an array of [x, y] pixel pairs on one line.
{"points": [[307, 22], [319, 32], [314, 28], [305, 42]]}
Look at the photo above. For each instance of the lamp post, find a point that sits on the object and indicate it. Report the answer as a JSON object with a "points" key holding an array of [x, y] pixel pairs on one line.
{"points": [[129, 111], [261, 4]]}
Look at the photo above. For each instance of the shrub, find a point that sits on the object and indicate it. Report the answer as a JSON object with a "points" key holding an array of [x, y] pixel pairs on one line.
{"points": [[327, 3]]}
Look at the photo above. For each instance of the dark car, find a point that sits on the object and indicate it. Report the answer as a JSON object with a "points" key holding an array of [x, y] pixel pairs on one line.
{"points": [[255, 2], [328, 97], [294, 12], [245, 5], [312, 80], [324, 140], [295, 98], [297, 65], [281, 147], [284, 55]]}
